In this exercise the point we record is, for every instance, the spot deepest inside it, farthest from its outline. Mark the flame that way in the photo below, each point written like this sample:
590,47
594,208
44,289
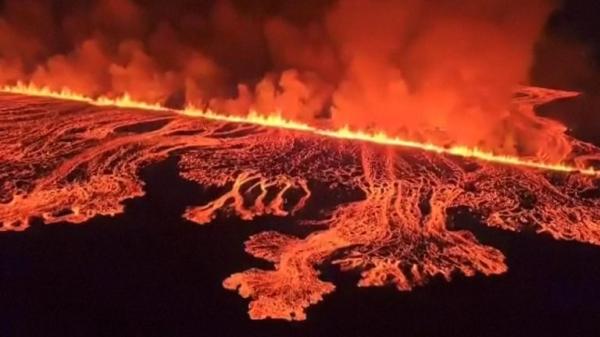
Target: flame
275,120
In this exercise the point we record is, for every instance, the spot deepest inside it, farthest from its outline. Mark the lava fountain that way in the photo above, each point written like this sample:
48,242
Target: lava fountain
68,157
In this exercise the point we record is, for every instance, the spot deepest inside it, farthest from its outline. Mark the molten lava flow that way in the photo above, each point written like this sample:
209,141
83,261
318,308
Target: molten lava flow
386,211
276,121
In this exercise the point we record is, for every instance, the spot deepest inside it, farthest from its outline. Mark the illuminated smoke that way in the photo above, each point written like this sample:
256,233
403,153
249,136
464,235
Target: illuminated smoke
438,71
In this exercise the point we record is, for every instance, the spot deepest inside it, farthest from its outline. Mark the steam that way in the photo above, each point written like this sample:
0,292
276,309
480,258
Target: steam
441,71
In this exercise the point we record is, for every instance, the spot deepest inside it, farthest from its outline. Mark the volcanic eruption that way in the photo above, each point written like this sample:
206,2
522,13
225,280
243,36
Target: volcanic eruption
404,113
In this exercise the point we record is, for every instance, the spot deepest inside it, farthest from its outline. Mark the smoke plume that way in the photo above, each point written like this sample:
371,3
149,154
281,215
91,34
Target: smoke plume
441,71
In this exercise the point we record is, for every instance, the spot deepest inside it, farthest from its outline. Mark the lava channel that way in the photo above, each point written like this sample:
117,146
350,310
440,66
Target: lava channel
70,161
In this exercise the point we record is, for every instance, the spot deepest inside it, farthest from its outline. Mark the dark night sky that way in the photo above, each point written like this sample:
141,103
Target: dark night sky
571,47
578,18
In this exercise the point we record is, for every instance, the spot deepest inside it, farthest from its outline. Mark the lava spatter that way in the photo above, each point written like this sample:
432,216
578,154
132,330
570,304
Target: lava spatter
69,161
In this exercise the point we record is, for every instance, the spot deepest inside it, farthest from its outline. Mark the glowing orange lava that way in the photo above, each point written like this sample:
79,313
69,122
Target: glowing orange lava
383,211
276,121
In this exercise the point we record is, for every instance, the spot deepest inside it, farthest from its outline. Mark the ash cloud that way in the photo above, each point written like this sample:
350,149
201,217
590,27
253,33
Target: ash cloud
440,71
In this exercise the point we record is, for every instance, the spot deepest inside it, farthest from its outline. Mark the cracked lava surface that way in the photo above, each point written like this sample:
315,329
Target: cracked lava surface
70,161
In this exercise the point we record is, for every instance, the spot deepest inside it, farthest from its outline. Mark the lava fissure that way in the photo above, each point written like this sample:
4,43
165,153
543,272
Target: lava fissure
67,161
532,97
